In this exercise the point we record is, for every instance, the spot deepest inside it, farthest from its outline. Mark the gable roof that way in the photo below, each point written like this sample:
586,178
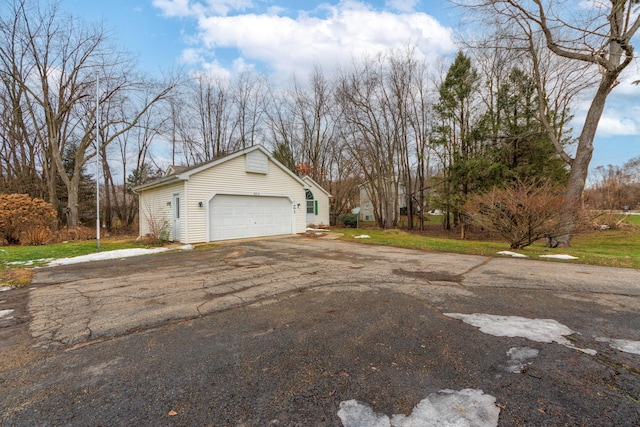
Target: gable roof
174,169
315,184
181,174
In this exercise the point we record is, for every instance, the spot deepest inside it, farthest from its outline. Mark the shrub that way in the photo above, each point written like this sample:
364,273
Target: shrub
158,226
609,220
36,236
348,220
22,217
521,213
76,233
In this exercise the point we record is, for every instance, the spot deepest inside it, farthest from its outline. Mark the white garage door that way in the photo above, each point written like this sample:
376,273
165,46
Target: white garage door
235,217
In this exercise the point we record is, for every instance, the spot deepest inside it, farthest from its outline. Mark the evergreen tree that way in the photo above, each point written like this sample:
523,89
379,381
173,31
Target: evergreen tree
523,150
462,150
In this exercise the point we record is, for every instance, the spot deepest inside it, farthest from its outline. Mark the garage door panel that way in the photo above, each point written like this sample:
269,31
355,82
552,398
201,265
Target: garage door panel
233,217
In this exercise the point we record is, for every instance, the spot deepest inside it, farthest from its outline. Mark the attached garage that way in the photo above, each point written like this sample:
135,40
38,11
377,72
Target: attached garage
245,194
238,216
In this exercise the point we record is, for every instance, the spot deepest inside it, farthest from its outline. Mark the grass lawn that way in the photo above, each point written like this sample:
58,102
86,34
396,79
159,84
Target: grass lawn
633,219
613,248
63,250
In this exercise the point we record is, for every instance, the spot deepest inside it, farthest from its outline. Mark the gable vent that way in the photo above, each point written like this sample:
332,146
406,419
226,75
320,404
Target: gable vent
257,162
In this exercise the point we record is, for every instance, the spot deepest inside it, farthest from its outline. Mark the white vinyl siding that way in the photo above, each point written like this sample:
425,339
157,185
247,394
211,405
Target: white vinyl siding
156,210
231,177
322,200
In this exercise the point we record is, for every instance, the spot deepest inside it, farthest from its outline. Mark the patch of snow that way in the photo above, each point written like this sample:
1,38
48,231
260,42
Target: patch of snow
121,253
355,414
540,330
519,358
466,407
30,262
559,256
512,254
5,288
362,236
317,229
5,313
627,346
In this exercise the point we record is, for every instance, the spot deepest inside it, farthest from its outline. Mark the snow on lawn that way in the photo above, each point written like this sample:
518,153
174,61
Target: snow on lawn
559,256
512,254
117,254
540,330
362,236
5,313
466,407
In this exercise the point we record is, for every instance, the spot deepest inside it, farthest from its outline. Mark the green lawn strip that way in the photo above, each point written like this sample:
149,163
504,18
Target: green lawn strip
614,248
22,254
633,219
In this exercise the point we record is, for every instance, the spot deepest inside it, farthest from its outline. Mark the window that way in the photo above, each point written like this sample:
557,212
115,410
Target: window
310,203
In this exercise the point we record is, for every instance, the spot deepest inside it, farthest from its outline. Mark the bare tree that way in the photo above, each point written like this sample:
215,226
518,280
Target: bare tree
597,34
250,95
614,187
370,126
61,57
315,117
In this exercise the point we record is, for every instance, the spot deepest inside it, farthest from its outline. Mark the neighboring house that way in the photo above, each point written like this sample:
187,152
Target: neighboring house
245,194
367,205
317,205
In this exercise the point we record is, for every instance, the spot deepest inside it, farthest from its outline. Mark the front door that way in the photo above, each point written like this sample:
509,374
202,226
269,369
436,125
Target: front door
176,217
311,211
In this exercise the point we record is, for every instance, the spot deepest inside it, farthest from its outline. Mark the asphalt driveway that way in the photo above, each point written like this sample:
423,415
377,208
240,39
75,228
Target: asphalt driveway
300,331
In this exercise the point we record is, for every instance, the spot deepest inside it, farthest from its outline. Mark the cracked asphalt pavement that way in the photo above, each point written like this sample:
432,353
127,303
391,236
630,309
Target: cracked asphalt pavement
280,331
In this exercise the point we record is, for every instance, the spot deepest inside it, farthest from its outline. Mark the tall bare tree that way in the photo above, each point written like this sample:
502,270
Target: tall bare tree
598,34
315,117
371,120
60,57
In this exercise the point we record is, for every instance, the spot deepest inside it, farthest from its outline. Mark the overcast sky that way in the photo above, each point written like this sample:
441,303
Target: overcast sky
282,37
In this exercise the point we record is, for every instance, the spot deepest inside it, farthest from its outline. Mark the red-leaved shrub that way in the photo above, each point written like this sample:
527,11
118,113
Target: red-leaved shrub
521,213
22,217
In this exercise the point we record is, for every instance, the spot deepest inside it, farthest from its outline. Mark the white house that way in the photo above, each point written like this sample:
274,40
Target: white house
317,203
367,204
245,194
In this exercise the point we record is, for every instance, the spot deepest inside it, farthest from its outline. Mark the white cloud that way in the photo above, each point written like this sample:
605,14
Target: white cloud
612,124
173,8
185,8
402,5
191,56
626,86
348,30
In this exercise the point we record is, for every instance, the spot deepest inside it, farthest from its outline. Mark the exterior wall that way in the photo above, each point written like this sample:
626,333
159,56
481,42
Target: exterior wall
156,207
231,177
321,197
366,205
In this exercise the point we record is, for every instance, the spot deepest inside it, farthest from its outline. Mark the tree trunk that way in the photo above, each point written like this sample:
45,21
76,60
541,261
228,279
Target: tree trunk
72,206
580,166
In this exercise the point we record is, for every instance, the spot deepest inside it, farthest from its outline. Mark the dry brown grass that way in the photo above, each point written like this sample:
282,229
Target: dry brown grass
17,277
